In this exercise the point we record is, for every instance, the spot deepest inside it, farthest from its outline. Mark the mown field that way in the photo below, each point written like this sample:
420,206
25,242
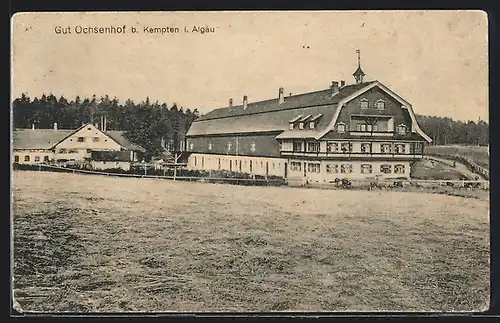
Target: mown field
478,154
99,244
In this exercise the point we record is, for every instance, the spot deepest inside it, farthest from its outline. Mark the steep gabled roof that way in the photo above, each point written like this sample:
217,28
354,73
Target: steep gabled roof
48,138
38,138
270,115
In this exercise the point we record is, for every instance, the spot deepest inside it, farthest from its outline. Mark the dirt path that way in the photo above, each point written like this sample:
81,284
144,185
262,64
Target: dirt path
459,167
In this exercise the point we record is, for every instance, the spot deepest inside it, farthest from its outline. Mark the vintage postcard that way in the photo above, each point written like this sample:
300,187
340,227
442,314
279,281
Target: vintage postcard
284,161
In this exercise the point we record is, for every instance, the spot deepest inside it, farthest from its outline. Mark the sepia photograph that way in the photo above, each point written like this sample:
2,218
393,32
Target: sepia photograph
250,161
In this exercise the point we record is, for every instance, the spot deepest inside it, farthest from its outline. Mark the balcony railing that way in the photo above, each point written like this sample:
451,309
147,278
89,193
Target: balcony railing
324,154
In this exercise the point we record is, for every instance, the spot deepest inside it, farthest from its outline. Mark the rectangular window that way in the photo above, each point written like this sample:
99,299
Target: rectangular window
195,161
400,148
296,166
399,169
366,168
311,125
16,159
37,158
27,158
358,126
364,104
341,128
380,105
301,125
363,127
369,127
81,139
332,168
386,169
332,147
346,168
366,148
385,148
202,161
297,146
290,126
313,167
346,147
96,139
313,146
375,127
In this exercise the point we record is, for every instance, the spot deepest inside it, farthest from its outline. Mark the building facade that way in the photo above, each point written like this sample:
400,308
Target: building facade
33,146
354,131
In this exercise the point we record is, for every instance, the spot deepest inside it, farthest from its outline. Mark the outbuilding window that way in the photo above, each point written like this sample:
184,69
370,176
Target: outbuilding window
366,168
332,168
27,158
37,158
16,159
346,168
399,169
385,168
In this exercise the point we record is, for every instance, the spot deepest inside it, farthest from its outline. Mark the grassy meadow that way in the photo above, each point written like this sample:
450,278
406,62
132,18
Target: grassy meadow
478,154
102,244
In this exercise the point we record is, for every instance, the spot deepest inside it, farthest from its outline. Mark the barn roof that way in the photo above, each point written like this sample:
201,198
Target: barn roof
270,115
48,138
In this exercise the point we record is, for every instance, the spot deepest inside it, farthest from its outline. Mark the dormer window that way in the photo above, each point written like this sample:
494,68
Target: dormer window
341,127
301,125
402,129
314,120
380,105
292,122
363,104
311,125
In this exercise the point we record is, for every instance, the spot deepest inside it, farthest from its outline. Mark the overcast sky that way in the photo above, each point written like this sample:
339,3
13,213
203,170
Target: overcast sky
436,60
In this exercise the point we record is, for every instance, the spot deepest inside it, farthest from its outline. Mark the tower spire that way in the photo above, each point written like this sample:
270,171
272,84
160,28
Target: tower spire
358,74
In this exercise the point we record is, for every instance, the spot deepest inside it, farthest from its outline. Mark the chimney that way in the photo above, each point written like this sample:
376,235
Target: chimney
281,95
230,103
335,87
245,102
342,83
55,125
32,126
105,121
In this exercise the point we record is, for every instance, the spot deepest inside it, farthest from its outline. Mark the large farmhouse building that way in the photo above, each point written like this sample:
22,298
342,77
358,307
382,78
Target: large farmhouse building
351,131
33,146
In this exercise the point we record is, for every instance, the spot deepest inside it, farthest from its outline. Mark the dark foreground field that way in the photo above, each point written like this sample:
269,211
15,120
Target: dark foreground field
95,243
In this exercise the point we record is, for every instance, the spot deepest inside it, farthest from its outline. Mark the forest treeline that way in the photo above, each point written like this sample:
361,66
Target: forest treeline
150,124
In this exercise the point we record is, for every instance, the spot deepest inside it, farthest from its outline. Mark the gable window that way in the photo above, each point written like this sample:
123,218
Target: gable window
400,148
290,126
346,168
385,168
346,147
297,146
363,104
313,146
301,125
366,148
27,158
81,139
209,146
191,146
341,127
96,139
332,147
311,125
366,168
380,105
313,167
252,146
385,148
402,129
399,169
332,168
